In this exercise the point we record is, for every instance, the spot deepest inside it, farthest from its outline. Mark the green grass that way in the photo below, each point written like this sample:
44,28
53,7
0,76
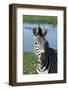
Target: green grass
29,63
40,19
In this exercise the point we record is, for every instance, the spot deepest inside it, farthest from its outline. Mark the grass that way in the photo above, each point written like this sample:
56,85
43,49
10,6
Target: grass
40,19
29,63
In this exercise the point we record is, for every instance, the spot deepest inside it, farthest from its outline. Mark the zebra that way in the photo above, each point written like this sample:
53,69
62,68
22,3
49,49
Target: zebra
46,56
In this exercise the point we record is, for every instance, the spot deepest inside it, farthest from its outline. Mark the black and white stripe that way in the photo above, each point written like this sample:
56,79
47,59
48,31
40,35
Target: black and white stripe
38,52
46,56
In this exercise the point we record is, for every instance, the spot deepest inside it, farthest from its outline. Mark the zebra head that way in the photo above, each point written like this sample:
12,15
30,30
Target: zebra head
40,39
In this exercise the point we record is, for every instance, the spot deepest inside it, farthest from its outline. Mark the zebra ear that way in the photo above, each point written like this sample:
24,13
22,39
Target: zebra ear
35,31
45,32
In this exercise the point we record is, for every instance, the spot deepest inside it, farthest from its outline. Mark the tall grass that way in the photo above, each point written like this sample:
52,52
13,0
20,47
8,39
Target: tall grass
29,63
40,19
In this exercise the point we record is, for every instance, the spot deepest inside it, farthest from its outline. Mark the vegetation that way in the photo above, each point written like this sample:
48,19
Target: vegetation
40,19
29,63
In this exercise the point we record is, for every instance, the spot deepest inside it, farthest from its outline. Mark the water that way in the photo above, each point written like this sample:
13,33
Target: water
28,36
